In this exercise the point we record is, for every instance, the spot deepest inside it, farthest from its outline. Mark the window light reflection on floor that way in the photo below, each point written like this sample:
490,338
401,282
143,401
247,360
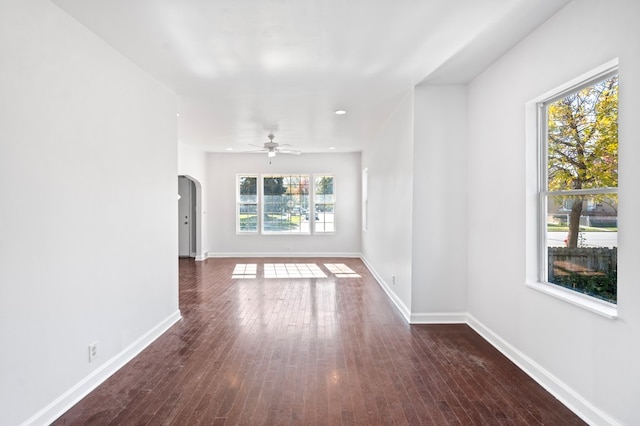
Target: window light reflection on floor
293,270
341,270
245,270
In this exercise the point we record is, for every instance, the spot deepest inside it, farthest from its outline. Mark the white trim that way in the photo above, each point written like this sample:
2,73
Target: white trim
280,254
81,389
587,77
439,318
312,204
536,193
262,201
306,234
600,307
406,312
238,203
556,387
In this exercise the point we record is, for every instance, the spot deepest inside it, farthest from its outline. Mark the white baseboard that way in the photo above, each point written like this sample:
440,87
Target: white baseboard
281,254
406,312
570,398
71,397
439,318
556,387
202,257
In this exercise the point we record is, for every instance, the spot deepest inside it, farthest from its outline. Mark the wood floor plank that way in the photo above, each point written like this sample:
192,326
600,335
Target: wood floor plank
311,351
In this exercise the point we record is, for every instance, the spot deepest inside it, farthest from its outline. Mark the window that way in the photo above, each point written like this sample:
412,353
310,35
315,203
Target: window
286,202
324,204
578,187
247,204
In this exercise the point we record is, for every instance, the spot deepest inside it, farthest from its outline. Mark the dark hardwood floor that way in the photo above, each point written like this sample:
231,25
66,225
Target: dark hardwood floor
305,351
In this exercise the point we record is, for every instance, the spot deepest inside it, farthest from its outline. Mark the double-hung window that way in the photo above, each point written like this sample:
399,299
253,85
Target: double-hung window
285,202
247,204
578,187
324,204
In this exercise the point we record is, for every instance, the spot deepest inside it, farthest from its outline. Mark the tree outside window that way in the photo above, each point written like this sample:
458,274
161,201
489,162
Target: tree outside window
580,189
285,198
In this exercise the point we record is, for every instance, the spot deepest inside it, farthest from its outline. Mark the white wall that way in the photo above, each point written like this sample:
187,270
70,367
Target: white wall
439,251
223,240
386,245
88,245
192,163
588,360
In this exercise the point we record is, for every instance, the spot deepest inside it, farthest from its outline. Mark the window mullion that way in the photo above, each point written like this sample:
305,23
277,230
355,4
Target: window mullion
587,191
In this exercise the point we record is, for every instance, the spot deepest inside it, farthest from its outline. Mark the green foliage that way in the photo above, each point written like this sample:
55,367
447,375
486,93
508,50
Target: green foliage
280,223
583,138
603,287
248,222
248,186
274,186
324,185
582,144
589,270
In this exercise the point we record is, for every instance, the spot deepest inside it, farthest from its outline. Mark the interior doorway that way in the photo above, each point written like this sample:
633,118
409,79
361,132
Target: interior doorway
187,218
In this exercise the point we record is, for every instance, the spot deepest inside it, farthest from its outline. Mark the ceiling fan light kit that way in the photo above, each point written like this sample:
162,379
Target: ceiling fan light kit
272,148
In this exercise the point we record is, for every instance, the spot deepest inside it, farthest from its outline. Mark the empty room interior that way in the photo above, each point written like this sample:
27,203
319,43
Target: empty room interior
319,212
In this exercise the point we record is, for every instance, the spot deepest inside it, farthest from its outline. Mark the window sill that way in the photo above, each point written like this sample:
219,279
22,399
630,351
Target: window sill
600,307
285,233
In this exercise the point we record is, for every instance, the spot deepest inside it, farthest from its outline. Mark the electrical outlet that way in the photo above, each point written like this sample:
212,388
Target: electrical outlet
93,351
393,279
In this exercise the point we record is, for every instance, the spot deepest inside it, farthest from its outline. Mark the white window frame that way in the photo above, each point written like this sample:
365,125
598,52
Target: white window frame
240,203
537,194
312,218
263,210
260,200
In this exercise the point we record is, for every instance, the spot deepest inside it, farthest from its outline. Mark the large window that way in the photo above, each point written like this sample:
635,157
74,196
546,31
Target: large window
578,187
285,204
324,204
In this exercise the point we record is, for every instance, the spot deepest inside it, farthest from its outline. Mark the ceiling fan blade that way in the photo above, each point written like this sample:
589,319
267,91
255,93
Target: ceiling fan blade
272,148
289,151
254,151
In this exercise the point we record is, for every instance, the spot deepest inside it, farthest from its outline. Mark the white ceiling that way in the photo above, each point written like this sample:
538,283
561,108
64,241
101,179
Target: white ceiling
244,68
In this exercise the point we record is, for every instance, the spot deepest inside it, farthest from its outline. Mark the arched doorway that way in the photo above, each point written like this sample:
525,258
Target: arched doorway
189,218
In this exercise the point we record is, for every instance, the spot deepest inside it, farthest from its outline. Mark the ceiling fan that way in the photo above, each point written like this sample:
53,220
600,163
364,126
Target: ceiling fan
272,148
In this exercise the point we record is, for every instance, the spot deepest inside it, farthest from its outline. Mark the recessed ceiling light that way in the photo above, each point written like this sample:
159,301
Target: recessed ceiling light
332,147
177,114
229,149
341,112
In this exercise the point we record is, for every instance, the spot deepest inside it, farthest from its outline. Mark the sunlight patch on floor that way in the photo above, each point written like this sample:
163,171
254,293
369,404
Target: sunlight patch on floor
245,270
341,270
293,270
